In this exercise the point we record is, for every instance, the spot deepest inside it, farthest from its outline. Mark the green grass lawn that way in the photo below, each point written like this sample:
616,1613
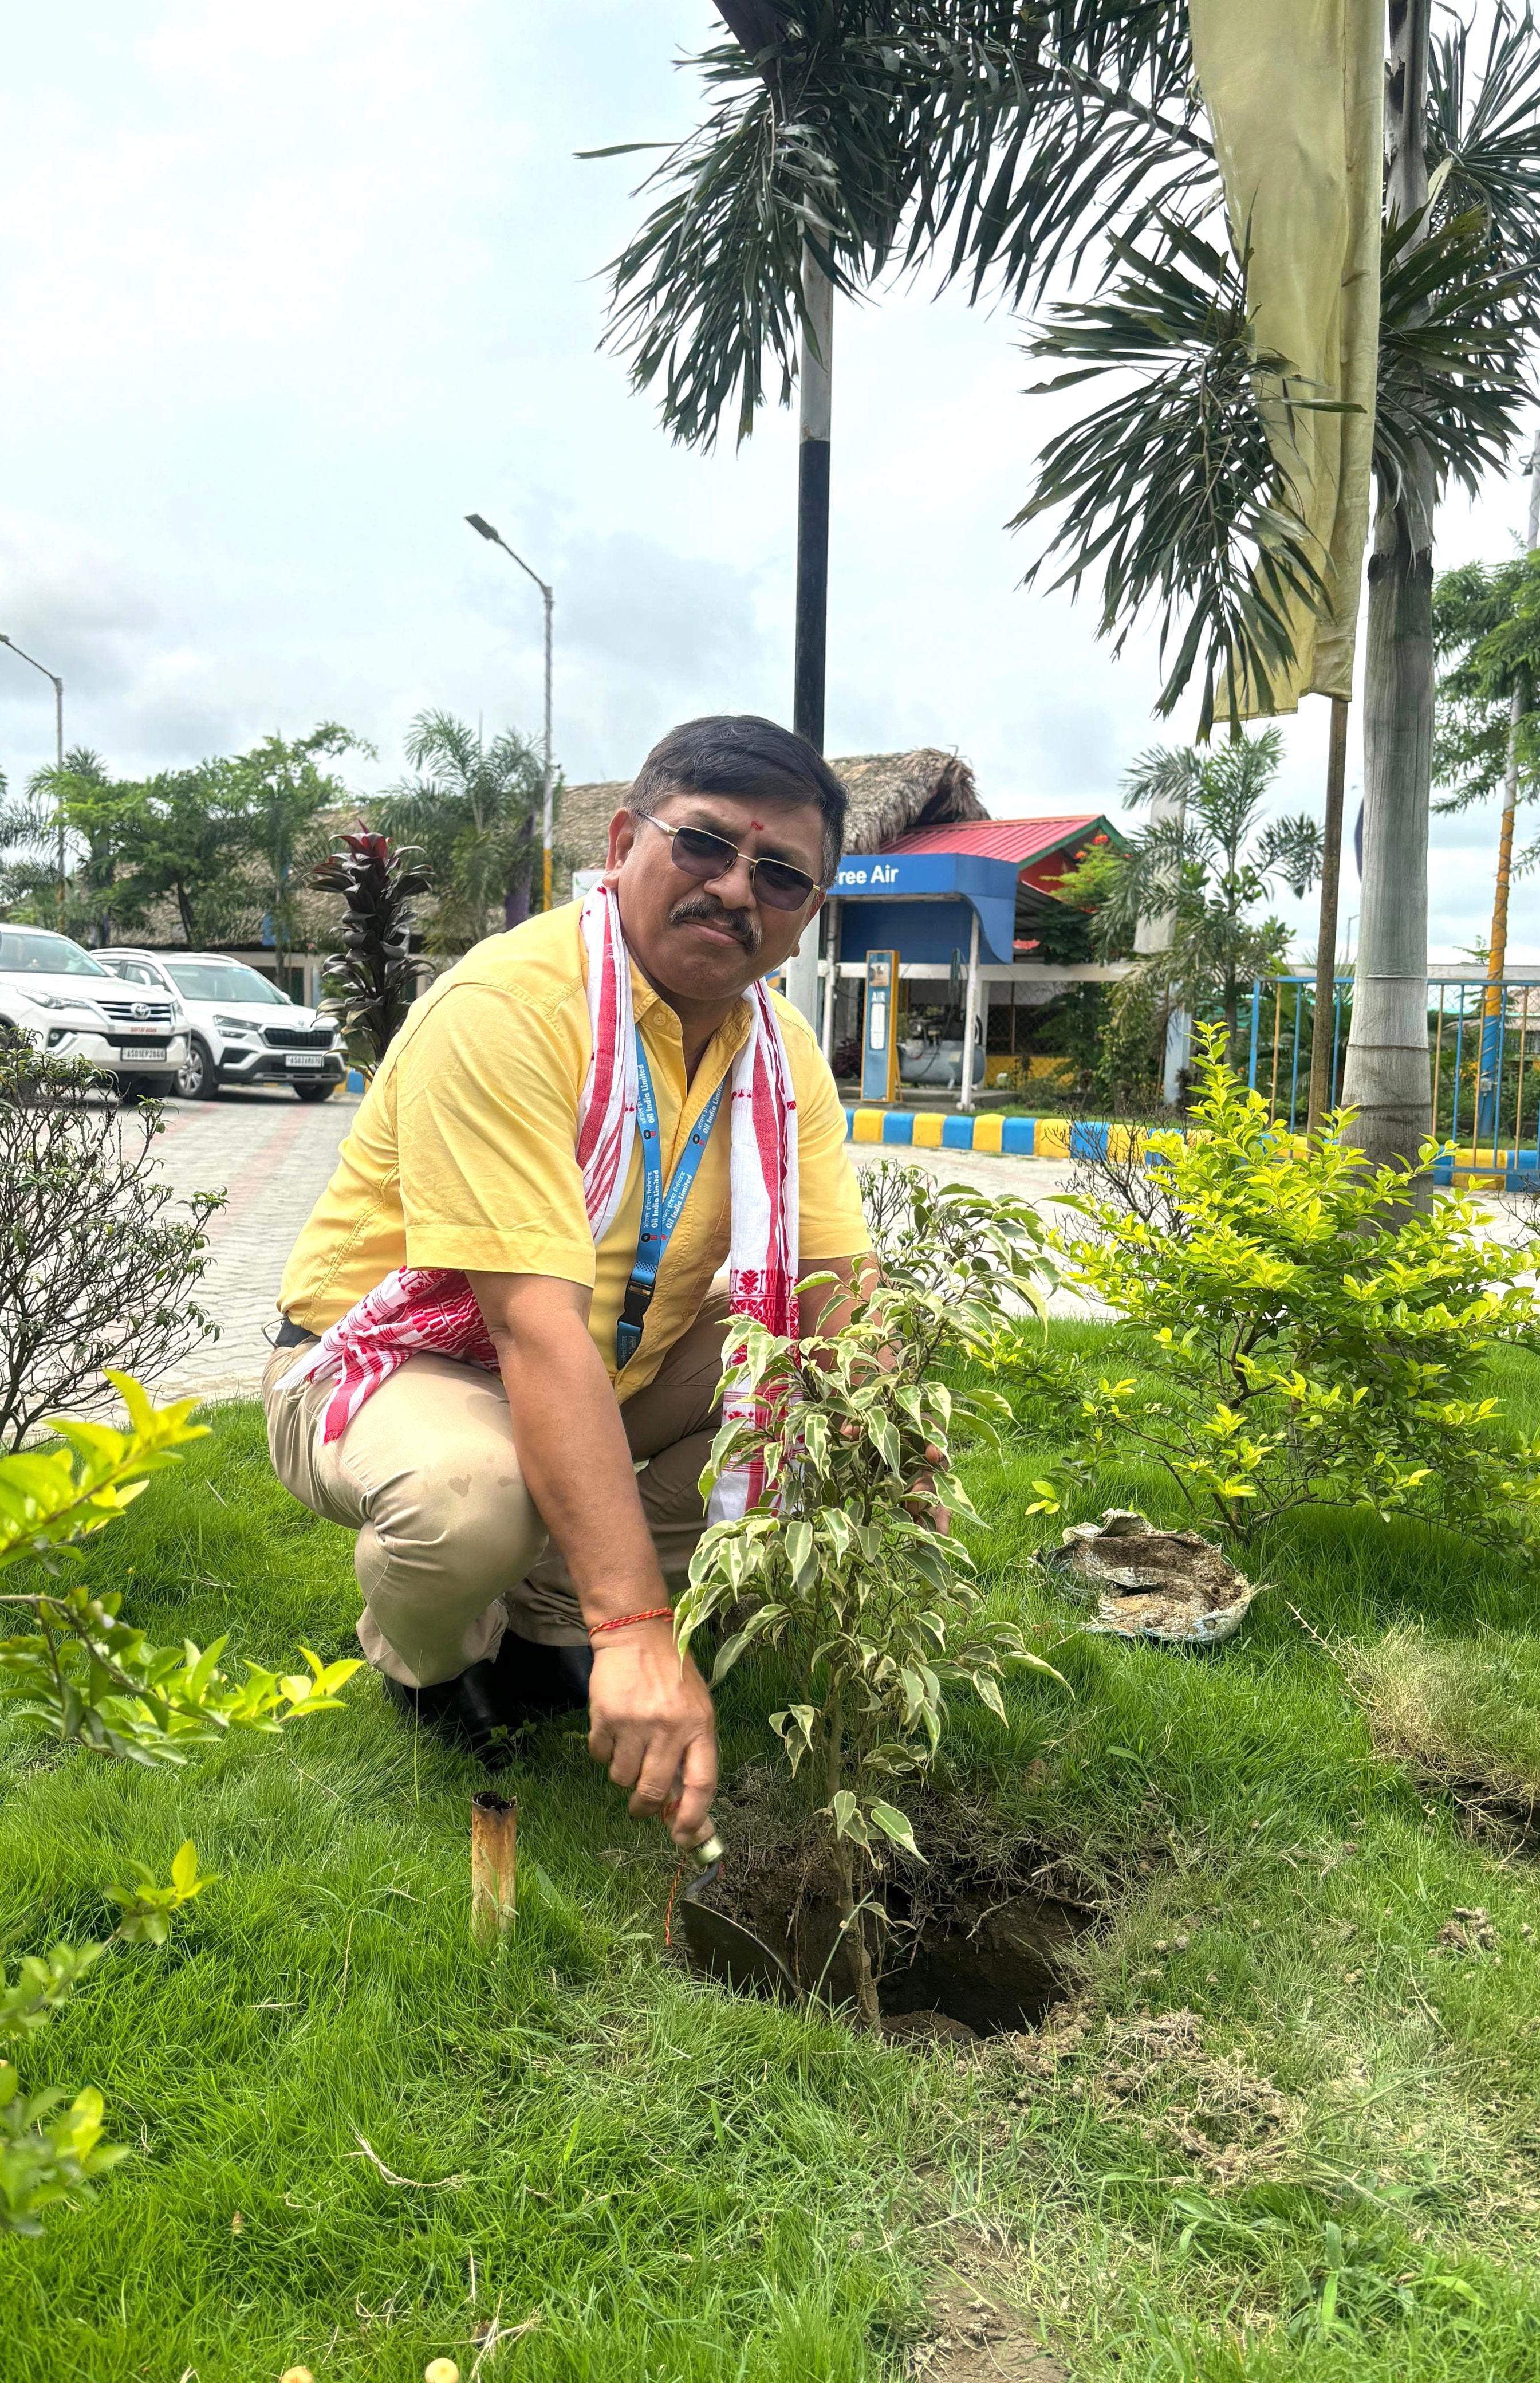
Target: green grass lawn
1288,2127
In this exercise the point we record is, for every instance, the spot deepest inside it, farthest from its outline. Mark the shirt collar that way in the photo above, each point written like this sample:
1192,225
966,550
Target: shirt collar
663,1025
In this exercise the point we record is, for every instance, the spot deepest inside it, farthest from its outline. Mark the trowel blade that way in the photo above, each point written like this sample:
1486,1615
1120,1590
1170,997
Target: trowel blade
727,1951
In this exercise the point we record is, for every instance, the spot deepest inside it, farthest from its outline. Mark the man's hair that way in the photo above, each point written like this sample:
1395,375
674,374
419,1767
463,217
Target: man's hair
736,753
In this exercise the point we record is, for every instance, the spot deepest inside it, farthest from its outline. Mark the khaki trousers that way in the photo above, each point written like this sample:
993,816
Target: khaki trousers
451,1550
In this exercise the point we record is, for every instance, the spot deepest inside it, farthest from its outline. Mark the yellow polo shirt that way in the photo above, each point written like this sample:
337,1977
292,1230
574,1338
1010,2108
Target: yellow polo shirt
462,1153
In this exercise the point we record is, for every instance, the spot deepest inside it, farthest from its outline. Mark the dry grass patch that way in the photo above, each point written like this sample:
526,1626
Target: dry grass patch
1463,1716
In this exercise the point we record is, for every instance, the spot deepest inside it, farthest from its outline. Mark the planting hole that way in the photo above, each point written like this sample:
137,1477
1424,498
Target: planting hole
956,1955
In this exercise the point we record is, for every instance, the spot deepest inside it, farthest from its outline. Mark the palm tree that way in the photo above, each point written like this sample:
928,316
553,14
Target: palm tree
474,810
1171,494
993,141
1202,867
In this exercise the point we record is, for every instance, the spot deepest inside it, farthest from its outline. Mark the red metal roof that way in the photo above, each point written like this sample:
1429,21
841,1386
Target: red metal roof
1019,840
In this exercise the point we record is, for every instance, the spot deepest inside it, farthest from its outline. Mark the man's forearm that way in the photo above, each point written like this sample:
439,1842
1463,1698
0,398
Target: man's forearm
649,1712
574,1457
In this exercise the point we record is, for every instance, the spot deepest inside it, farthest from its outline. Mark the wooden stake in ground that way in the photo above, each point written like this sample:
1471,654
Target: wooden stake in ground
494,1865
1322,1089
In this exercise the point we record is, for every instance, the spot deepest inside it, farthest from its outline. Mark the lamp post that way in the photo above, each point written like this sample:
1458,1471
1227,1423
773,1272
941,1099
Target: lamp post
485,529
58,744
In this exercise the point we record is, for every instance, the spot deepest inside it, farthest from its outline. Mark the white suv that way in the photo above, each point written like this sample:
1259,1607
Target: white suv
242,1030
61,998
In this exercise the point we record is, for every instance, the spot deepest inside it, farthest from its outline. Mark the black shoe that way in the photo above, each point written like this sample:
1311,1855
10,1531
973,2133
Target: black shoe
533,1680
469,1712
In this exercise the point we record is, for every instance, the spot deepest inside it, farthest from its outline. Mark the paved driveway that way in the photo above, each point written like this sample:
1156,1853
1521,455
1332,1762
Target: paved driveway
273,1155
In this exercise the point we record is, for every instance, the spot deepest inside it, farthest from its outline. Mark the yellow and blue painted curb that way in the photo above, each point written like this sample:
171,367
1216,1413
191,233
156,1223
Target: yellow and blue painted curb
1069,1138
1009,1137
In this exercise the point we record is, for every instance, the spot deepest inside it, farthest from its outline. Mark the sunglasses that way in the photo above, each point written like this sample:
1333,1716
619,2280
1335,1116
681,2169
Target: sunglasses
699,854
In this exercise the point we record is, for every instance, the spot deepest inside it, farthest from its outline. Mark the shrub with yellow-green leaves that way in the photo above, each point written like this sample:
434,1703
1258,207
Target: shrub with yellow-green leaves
92,1681
1314,1335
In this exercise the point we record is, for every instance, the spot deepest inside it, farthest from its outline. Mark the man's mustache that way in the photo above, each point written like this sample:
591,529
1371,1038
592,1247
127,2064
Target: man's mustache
741,923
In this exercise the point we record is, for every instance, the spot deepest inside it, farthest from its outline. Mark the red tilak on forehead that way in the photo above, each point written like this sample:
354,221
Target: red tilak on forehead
758,823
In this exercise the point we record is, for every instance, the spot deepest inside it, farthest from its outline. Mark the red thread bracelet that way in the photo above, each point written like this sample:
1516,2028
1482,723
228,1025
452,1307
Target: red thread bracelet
653,1613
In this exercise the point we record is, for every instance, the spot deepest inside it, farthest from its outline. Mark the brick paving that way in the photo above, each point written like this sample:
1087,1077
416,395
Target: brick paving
273,1155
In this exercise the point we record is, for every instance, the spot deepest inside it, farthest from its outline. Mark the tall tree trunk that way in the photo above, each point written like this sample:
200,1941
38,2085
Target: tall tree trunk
1386,1079
1488,1121
1232,1021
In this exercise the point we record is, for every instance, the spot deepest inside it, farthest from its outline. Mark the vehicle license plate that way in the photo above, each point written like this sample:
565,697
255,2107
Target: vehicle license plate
306,1059
146,1051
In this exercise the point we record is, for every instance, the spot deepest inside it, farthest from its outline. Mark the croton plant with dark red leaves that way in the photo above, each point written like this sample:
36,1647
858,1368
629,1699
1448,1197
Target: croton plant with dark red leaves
370,982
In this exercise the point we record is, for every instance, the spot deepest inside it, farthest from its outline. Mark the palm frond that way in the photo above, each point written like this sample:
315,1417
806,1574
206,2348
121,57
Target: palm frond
1166,773
1454,371
996,138
1170,490
1102,139
1484,131
1291,849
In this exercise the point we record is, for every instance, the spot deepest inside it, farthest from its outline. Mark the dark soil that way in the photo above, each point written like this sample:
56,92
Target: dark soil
973,2339
957,1953
1501,1815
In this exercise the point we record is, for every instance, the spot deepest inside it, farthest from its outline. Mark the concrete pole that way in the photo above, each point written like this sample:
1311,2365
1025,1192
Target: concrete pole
1155,935
971,1015
802,973
832,982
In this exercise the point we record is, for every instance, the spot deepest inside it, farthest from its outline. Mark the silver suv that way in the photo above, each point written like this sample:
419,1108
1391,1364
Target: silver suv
59,996
242,1029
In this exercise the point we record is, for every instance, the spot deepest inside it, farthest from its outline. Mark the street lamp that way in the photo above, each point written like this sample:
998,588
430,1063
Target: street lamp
59,738
485,530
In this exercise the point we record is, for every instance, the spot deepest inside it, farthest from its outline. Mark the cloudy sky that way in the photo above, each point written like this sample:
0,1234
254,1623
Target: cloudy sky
289,291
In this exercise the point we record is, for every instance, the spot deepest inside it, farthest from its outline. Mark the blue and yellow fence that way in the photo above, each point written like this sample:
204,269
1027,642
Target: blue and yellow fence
1485,1071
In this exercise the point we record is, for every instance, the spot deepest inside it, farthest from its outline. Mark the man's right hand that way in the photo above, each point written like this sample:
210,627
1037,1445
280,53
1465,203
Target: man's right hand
651,1719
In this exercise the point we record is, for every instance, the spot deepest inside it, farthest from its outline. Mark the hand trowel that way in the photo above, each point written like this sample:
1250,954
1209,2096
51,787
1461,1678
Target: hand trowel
724,1948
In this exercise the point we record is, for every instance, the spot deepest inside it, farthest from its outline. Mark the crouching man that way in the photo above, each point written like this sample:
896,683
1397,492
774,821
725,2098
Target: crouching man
499,1352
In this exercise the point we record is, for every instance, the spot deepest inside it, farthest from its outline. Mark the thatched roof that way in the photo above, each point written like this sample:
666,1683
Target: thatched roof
890,794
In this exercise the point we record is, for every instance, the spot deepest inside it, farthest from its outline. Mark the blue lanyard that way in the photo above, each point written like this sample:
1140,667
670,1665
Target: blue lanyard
660,1210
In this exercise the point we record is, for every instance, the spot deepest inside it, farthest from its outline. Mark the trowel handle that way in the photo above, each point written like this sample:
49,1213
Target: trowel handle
710,1848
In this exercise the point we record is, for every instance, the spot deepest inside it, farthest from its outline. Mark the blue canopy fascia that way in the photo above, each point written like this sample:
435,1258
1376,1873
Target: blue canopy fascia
955,879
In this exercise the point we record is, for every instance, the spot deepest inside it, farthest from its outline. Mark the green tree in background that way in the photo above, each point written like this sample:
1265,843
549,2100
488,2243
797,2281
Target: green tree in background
991,143
100,815
276,795
1487,632
226,843
189,845
1205,862
474,812
1021,150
